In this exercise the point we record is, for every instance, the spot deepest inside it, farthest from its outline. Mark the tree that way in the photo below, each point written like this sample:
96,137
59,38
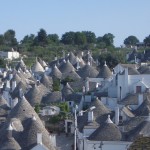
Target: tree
53,38
108,39
42,38
68,38
147,41
131,41
9,38
80,38
90,36
112,59
28,39
1,39
100,42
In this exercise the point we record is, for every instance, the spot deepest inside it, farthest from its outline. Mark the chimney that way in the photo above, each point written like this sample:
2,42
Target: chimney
140,99
90,116
4,74
10,76
8,85
20,93
39,138
87,85
83,89
55,58
13,85
117,115
78,65
135,60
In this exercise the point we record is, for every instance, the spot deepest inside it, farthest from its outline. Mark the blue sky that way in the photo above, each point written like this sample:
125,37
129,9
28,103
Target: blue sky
119,17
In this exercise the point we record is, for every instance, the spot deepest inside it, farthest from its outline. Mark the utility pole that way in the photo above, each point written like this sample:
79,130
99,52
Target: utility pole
75,127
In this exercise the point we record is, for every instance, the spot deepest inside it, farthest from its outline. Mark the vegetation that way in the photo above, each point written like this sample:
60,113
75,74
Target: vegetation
131,41
47,46
64,111
56,85
37,108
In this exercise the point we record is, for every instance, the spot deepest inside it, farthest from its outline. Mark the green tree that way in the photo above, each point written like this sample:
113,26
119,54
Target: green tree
100,42
68,38
1,39
108,39
53,38
147,41
90,36
112,59
131,41
80,38
28,39
9,38
42,38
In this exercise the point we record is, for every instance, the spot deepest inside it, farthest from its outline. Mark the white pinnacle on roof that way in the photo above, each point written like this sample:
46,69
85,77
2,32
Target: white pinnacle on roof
10,128
105,64
33,118
109,120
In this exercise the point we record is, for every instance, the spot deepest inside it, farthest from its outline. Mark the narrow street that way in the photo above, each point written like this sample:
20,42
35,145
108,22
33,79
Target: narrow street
64,142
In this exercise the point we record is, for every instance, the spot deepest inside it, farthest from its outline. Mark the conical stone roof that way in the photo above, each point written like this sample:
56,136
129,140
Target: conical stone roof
88,71
20,86
29,136
22,110
34,96
72,58
3,102
106,132
47,81
66,67
56,73
55,96
37,68
141,130
9,144
144,108
16,78
67,90
104,72
72,75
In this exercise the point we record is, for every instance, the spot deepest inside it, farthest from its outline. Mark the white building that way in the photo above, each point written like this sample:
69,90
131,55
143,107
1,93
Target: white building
10,55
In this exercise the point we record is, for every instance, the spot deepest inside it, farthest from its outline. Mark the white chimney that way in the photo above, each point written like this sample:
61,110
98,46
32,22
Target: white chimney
55,58
53,139
83,89
135,60
20,93
87,85
117,115
78,65
4,74
10,76
90,116
140,99
39,138
7,85
13,85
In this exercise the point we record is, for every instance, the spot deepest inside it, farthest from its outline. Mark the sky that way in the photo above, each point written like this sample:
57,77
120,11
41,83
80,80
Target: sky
122,18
